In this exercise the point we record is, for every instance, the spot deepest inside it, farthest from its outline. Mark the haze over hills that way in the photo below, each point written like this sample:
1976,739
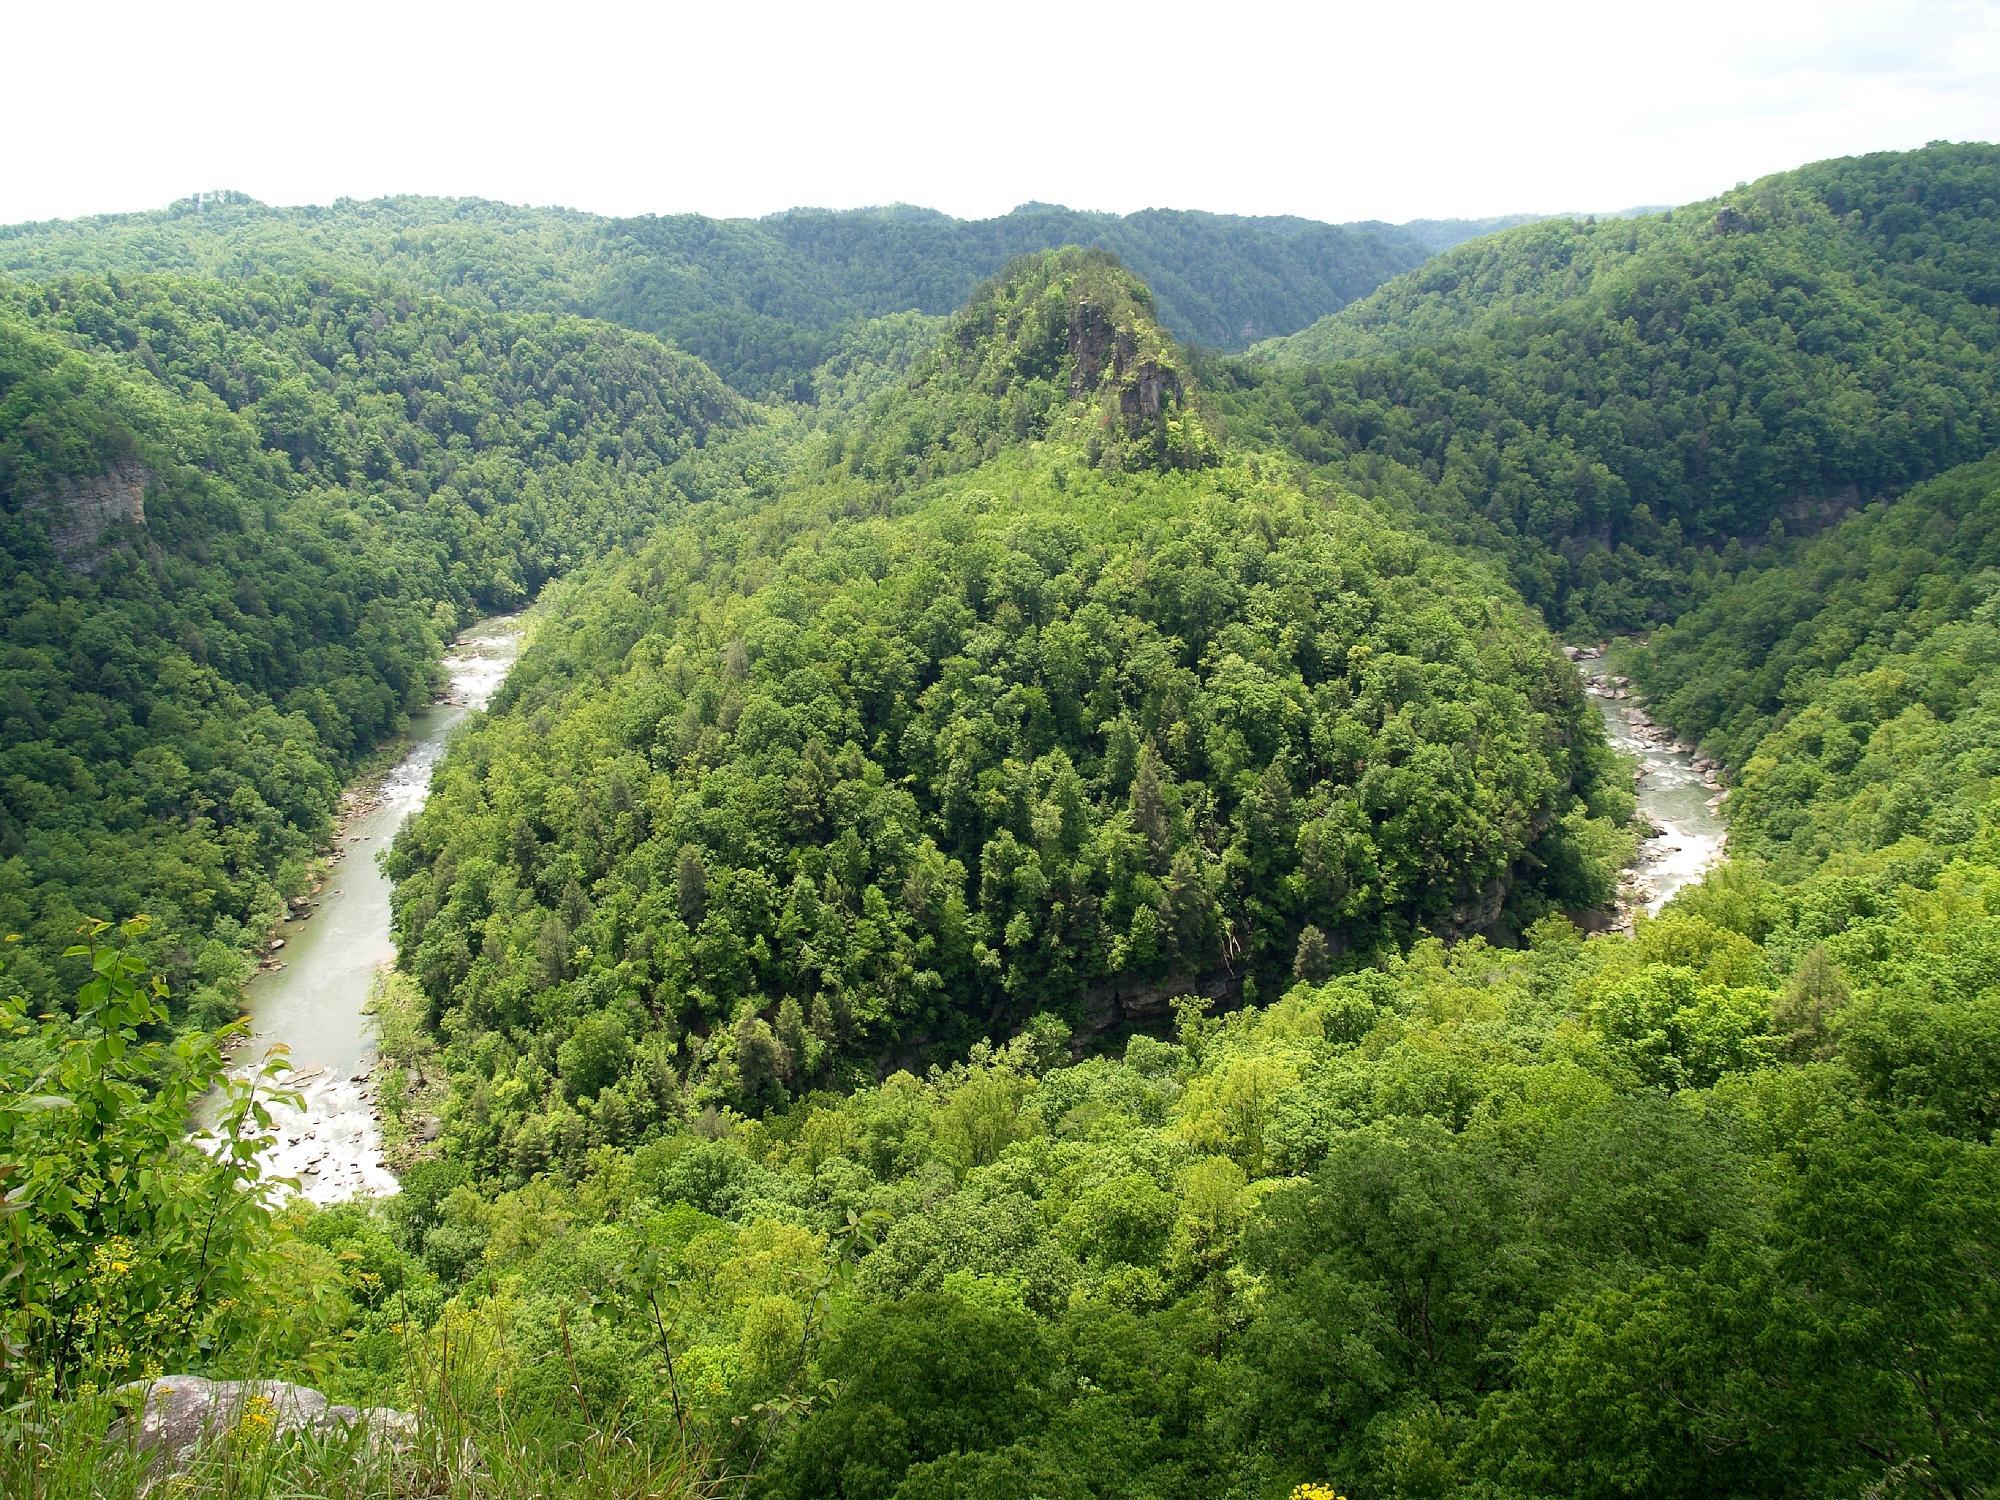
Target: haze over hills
1045,912
1437,235
764,300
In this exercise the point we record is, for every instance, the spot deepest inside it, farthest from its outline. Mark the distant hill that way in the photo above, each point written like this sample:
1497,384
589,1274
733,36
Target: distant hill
1842,216
763,301
1441,234
1438,235
1603,399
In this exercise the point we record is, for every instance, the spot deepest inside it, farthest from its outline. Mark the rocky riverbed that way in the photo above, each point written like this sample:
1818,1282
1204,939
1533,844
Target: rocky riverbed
1681,792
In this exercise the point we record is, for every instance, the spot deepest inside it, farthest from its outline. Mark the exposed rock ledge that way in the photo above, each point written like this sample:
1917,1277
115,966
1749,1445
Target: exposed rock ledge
77,511
180,1412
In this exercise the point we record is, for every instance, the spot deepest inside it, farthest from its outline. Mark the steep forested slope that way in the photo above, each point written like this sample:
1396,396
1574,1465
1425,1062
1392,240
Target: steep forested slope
1603,401
874,776
514,445
237,520
763,301
1709,1210
1912,219
1030,704
1854,683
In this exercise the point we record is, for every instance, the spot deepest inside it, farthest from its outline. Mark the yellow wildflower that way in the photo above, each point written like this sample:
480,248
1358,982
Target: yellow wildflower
256,1415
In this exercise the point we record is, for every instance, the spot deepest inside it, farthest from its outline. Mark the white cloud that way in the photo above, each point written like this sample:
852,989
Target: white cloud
1337,111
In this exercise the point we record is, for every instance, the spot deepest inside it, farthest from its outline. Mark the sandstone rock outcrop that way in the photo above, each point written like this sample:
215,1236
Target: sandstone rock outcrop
77,511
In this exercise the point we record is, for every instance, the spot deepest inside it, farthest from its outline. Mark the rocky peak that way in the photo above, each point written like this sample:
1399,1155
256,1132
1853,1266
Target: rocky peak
1078,321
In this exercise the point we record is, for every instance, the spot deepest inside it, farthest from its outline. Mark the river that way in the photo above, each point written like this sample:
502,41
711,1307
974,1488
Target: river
315,1001
1678,790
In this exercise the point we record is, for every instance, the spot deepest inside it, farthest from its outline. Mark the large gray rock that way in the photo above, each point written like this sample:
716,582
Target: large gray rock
175,1414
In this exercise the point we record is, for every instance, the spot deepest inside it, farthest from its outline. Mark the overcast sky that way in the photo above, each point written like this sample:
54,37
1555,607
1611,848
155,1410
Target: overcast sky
1335,111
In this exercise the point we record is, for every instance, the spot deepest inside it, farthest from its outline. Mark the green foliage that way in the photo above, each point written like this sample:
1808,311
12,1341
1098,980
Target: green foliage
1450,1222
463,1447
1610,404
330,475
1853,681
768,803
920,1379
869,359
778,933
1058,342
762,301
126,1242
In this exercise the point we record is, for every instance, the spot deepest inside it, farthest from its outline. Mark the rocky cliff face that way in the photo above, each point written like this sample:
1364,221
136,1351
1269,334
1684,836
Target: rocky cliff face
1121,1004
1070,338
77,512
1105,353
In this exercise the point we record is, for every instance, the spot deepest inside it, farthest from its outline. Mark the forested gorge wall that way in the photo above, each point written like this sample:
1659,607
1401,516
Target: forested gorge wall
238,520
764,952
1620,405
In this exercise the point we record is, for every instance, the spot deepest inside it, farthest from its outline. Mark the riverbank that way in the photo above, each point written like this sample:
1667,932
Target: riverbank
331,952
1681,793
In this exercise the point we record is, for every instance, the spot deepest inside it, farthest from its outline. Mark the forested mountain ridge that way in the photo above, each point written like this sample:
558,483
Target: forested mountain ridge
954,967
1103,715
762,301
508,432
1921,215
1612,404
237,519
1439,235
